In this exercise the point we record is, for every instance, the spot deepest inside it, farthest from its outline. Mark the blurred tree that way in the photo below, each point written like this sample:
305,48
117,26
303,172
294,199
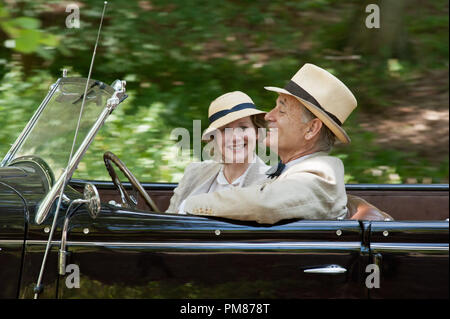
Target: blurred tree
177,56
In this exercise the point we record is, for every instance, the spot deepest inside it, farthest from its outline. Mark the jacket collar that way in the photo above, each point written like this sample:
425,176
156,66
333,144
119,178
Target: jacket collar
301,159
253,174
255,171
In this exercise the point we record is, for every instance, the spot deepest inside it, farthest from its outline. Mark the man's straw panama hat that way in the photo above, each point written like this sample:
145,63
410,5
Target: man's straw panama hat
324,95
227,108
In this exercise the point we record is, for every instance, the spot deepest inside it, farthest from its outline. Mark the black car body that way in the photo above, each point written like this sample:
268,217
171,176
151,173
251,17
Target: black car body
137,253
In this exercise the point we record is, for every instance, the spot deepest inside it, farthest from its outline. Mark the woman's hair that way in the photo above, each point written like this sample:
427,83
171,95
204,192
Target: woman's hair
259,121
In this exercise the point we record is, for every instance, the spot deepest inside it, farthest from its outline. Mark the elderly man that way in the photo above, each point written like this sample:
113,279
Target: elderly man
307,183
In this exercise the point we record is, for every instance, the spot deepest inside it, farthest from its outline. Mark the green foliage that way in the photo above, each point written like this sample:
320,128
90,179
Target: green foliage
177,56
15,112
367,162
25,34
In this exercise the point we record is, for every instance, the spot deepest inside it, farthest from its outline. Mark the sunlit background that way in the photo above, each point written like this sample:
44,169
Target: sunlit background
177,56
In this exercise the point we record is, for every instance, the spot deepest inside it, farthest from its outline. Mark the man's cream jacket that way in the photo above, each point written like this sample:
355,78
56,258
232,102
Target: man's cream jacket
311,189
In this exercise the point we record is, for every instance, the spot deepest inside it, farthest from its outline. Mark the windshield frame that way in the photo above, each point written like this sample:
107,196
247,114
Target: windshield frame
47,135
115,95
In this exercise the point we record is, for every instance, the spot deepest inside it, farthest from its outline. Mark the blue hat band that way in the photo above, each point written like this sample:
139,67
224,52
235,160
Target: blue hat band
236,108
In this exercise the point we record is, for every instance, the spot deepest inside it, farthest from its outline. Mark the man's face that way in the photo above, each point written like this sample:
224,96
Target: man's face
287,119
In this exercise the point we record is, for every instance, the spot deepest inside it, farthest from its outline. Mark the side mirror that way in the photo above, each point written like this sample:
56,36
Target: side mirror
92,200
93,205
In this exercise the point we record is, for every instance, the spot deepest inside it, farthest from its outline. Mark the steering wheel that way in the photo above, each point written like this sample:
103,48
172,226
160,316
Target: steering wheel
128,201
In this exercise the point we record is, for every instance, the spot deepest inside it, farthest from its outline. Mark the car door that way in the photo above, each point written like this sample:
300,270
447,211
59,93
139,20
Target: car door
12,233
125,254
22,242
412,258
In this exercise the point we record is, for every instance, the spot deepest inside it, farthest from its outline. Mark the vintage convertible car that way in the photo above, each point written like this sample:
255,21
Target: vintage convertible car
100,249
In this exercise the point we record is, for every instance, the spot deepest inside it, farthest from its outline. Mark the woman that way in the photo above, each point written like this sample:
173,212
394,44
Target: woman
233,132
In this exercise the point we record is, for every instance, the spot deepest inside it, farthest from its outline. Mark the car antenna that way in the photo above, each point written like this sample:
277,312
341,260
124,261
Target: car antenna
39,286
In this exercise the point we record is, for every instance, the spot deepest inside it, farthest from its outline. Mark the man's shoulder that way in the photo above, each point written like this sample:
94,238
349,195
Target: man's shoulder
322,157
320,161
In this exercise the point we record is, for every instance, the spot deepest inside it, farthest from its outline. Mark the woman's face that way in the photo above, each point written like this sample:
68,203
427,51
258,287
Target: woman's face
237,141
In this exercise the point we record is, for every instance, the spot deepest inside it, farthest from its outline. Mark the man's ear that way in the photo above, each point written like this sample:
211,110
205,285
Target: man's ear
314,128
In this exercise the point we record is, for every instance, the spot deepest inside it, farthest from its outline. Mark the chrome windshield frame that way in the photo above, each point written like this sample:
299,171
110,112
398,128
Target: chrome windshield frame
117,91
117,97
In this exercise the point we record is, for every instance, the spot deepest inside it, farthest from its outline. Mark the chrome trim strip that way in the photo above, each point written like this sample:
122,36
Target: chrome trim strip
356,245
200,245
409,246
11,242
247,245
397,187
349,187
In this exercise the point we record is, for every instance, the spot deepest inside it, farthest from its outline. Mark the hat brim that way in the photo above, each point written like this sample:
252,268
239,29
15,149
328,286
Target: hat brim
337,130
230,117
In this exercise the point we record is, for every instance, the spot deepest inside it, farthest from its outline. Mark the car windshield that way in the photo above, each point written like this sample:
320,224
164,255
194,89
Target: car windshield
52,136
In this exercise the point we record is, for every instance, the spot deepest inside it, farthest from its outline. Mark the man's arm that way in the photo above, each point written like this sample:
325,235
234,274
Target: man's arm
301,195
194,175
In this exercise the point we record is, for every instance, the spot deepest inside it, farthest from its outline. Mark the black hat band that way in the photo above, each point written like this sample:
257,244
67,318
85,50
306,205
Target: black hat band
298,91
236,108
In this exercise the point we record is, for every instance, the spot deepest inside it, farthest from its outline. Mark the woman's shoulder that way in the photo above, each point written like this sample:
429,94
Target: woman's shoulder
202,164
260,163
195,167
256,172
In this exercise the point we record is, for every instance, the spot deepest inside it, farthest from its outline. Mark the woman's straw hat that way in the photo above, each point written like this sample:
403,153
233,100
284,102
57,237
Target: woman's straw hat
227,108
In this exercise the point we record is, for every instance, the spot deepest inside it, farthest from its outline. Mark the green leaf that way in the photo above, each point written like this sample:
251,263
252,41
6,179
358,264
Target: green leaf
49,40
28,41
3,12
10,29
26,23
